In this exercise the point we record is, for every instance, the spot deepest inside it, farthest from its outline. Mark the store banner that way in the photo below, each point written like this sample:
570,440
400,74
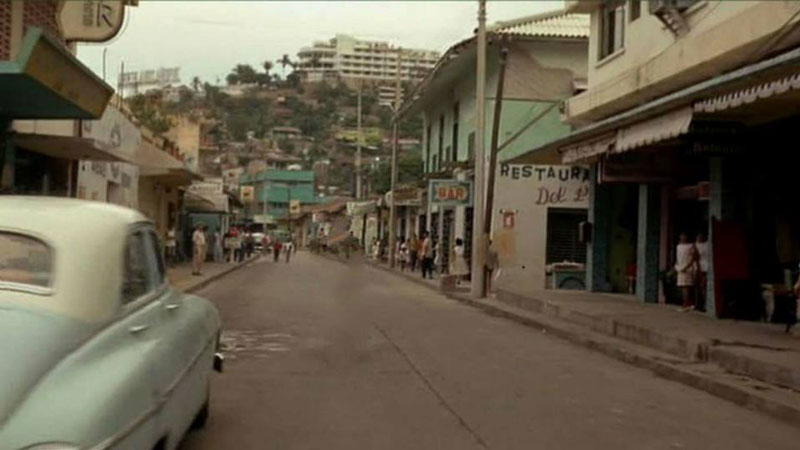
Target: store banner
450,192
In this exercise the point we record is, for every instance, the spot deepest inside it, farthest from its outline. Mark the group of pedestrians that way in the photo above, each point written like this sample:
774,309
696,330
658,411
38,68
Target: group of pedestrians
288,248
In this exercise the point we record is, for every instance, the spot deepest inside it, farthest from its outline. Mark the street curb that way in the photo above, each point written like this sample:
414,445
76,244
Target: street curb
203,283
593,340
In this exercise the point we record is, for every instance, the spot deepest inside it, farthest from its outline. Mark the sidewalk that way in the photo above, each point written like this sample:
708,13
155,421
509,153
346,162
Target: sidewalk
755,365
181,278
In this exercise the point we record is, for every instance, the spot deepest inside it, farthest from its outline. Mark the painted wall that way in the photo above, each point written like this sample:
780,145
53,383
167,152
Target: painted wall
528,191
722,35
186,134
116,183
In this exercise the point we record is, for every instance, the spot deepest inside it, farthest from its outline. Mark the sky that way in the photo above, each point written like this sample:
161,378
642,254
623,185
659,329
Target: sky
207,38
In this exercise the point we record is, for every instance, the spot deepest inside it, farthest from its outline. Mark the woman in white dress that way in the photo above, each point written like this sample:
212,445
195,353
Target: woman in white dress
686,266
458,265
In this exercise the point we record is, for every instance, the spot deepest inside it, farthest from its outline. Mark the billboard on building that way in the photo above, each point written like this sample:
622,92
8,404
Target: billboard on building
450,192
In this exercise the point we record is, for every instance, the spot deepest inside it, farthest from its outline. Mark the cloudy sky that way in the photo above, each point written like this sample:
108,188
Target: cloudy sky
207,38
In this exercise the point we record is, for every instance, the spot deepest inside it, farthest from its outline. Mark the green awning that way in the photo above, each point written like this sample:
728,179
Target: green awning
47,82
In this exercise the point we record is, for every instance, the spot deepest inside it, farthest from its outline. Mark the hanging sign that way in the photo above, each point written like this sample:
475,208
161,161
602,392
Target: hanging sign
92,20
450,192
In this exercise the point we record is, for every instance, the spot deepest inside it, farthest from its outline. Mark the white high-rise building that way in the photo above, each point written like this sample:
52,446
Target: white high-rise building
350,59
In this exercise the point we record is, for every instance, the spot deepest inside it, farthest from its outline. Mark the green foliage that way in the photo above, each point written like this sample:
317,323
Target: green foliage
245,114
147,109
242,73
409,170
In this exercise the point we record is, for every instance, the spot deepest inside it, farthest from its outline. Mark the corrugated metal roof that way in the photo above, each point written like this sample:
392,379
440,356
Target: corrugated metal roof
552,24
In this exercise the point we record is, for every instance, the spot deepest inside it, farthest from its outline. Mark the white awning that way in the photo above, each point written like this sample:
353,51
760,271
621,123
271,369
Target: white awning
747,96
661,128
587,150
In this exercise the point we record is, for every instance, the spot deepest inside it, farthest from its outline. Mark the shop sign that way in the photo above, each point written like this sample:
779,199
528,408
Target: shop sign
637,168
450,192
246,194
92,20
207,188
263,218
294,206
547,185
405,197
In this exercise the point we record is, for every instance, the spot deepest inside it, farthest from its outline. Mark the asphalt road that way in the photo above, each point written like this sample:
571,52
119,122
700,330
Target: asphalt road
322,355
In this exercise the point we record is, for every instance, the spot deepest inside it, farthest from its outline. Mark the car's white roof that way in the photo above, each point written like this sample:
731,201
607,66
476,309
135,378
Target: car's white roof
87,238
40,214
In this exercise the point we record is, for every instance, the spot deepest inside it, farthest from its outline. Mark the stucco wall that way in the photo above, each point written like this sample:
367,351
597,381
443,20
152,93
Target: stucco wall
722,35
529,191
186,134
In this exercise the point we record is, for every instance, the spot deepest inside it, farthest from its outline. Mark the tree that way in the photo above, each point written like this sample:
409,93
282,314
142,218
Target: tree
242,73
409,171
148,110
267,65
285,61
196,84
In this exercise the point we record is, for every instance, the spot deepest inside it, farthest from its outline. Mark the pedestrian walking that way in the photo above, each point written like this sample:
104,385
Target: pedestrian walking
413,252
276,250
288,250
685,265
427,256
198,250
249,244
458,262
402,256
218,256
170,245
701,278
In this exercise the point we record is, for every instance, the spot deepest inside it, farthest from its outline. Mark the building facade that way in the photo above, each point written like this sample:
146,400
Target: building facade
277,192
350,59
545,62
685,122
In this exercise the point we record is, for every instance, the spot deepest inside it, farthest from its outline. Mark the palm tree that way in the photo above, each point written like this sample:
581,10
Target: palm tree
285,61
196,84
267,66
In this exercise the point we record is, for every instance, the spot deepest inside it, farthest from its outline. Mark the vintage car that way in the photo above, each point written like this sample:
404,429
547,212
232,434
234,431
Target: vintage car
98,351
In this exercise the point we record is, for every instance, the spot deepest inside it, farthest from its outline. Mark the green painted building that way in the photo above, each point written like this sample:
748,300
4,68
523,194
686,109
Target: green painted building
275,190
545,63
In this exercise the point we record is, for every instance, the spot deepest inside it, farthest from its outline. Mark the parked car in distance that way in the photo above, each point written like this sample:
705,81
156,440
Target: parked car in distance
98,350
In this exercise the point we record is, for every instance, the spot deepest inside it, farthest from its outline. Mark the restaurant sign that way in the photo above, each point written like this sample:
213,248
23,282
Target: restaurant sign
450,192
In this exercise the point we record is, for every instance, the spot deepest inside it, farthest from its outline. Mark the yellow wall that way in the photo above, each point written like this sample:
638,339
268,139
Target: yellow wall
186,134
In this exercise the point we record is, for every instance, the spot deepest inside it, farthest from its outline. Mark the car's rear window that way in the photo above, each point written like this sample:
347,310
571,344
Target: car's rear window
25,260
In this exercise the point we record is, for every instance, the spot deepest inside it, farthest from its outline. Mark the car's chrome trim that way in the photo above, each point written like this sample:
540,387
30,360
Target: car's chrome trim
162,399
26,288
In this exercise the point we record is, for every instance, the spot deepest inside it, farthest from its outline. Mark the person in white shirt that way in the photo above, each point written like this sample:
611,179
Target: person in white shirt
288,248
686,266
199,249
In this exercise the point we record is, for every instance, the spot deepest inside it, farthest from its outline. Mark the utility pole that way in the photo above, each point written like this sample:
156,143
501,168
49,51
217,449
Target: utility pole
498,110
393,207
358,146
479,238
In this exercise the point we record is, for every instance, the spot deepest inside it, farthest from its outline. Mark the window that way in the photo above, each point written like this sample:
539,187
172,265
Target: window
636,9
136,276
441,137
562,235
25,260
471,147
158,271
612,27
428,148
454,138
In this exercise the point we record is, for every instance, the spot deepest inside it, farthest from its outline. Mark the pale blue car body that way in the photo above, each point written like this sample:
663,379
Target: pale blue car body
80,368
